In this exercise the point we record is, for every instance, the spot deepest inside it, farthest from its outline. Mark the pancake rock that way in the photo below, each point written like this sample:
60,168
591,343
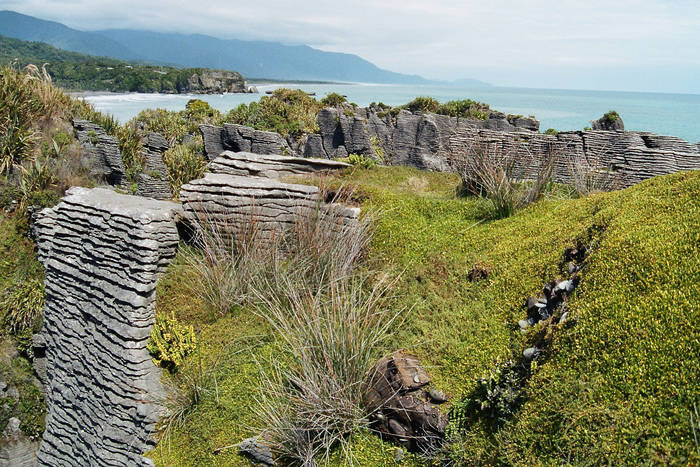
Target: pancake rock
102,252
102,154
270,165
154,182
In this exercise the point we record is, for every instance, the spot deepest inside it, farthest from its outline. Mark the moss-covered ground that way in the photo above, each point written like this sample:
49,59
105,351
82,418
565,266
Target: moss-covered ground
618,383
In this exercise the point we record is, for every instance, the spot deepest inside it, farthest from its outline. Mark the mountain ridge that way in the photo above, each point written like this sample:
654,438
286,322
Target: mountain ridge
253,59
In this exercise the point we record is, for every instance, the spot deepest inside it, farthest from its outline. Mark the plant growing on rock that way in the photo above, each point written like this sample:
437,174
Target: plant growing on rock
334,100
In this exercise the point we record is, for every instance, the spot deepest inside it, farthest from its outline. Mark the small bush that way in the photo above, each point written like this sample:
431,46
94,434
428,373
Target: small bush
551,131
333,100
611,116
465,109
287,112
184,163
422,104
22,305
170,342
360,160
333,335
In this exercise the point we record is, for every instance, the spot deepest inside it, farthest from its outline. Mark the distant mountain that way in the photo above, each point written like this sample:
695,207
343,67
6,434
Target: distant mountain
28,28
254,59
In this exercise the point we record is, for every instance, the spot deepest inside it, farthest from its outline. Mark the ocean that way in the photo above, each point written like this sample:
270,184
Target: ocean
666,114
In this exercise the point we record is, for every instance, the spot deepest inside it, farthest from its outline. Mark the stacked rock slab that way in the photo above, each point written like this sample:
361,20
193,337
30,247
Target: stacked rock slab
269,165
153,182
102,252
239,138
242,188
629,156
102,152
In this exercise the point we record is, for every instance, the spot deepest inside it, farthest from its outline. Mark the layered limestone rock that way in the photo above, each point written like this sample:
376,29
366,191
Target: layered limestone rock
102,252
429,141
629,156
101,150
153,182
239,138
235,201
269,165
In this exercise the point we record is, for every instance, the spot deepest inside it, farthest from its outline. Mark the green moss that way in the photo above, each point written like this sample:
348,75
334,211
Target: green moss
620,380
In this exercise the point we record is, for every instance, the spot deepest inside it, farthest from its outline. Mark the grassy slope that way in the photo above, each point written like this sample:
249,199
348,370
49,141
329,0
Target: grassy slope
622,376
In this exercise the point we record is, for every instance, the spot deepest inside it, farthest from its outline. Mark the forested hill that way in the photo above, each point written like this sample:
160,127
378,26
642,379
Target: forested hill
80,72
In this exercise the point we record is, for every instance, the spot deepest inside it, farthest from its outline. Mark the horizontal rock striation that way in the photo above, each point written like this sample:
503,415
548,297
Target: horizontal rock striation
239,138
629,157
154,181
236,203
269,165
102,153
430,141
102,252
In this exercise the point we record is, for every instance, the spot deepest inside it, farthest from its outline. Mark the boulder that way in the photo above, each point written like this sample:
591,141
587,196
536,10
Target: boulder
611,121
400,408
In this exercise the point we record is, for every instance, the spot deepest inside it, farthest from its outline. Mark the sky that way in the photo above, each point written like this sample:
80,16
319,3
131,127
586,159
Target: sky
635,45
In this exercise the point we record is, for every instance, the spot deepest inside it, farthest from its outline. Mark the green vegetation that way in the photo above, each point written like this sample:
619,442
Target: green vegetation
170,342
611,116
286,111
618,382
78,72
184,163
360,160
333,100
551,131
462,108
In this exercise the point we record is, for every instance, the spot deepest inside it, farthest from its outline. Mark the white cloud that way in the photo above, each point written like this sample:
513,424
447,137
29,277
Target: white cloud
496,40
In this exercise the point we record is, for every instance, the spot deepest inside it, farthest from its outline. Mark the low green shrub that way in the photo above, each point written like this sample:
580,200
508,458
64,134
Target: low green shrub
286,111
360,160
551,131
184,163
333,100
170,342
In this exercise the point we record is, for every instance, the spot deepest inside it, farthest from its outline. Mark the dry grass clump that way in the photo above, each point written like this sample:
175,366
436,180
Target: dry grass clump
332,335
588,174
511,175
330,319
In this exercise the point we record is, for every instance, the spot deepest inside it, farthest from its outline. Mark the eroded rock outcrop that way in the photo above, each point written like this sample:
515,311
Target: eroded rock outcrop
102,252
215,82
102,154
153,182
239,138
428,141
240,188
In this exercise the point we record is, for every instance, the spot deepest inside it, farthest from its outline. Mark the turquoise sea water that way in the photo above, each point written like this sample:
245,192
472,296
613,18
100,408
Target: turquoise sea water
667,114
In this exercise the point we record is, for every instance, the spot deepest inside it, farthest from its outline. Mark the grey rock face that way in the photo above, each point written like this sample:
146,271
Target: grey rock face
102,252
234,201
215,82
153,182
269,165
102,152
241,138
624,155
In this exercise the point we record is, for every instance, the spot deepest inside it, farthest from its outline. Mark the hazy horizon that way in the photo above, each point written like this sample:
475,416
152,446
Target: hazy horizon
631,45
